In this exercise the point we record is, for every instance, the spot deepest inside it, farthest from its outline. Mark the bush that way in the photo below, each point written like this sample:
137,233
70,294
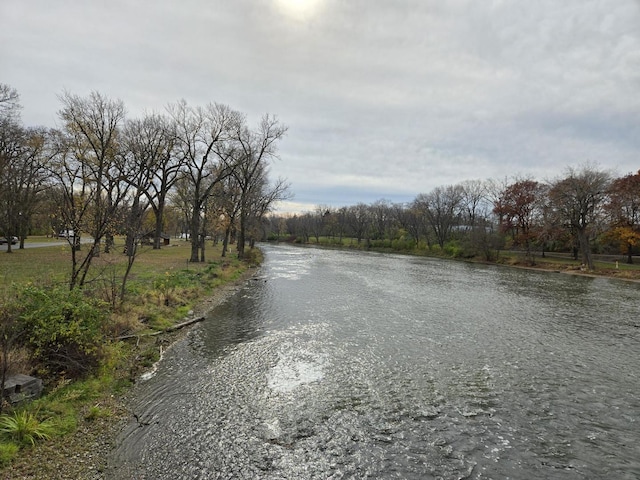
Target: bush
403,244
63,329
452,249
253,256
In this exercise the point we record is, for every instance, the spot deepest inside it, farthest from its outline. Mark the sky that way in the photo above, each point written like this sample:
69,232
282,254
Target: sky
383,99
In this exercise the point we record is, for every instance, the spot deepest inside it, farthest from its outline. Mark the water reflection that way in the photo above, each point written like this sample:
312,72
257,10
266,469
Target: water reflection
238,320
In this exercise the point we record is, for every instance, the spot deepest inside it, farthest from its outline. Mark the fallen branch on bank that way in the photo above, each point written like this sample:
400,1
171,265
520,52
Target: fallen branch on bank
172,328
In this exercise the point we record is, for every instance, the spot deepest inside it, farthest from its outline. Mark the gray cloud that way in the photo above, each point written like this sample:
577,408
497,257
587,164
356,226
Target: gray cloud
384,99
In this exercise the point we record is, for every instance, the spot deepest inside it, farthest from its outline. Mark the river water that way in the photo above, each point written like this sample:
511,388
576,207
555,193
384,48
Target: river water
336,364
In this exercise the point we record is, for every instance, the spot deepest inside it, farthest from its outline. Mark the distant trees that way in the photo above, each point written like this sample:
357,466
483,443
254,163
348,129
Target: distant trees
519,208
585,210
577,201
623,208
21,168
205,173
21,177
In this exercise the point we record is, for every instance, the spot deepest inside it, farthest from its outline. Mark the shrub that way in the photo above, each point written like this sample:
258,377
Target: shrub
403,244
63,329
253,256
452,249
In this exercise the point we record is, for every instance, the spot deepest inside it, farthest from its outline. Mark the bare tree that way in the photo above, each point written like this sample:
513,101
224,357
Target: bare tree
474,200
444,210
180,197
381,218
577,200
9,102
202,135
92,126
406,218
227,198
318,220
166,174
359,220
420,209
144,142
255,149
266,196
73,194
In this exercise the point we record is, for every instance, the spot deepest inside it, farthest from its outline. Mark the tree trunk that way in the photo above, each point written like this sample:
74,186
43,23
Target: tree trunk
585,249
109,242
158,230
240,245
225,241
195,236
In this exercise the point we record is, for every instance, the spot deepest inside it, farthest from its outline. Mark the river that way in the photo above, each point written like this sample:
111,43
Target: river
336,364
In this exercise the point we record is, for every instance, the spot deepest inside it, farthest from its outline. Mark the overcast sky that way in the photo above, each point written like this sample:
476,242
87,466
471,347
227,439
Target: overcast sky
384,99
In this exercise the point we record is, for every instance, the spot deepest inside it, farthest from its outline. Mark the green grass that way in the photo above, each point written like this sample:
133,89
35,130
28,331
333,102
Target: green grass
50,265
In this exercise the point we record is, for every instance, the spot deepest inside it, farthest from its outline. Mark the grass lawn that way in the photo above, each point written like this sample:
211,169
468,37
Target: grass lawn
52,264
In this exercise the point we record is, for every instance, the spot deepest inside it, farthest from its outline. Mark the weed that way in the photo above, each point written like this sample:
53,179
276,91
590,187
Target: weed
8,451
96,412
24,427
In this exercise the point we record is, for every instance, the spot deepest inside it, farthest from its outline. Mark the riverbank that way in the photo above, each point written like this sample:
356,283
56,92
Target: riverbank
607,266
569,268
84,453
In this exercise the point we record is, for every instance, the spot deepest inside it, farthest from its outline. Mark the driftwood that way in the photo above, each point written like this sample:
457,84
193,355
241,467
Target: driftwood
172,328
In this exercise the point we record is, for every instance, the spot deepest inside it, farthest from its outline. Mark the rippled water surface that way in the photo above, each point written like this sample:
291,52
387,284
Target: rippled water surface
334,364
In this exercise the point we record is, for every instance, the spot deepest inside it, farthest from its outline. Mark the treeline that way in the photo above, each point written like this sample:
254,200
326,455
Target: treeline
585,211
101,174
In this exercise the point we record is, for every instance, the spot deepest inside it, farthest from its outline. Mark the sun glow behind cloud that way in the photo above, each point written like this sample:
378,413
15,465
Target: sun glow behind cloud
300,10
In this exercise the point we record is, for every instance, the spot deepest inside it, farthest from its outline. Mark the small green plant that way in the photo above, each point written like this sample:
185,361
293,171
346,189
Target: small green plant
96,412
148,357
8,451
24,428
